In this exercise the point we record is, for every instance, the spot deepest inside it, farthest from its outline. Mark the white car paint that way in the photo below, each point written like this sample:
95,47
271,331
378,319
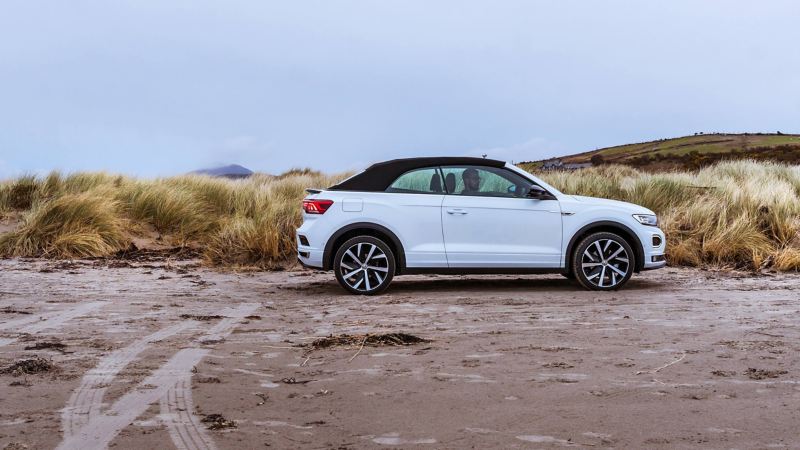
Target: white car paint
416,220
497,232
456,231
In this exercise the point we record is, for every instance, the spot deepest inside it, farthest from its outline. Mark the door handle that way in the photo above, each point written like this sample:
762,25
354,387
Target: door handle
456,211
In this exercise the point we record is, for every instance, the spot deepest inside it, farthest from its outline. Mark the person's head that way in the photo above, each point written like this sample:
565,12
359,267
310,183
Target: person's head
472,181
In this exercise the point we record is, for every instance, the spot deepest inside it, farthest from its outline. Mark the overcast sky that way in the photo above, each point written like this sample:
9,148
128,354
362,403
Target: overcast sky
164,87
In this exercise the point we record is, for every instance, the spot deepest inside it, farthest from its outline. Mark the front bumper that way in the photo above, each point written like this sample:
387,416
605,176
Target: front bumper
657,264
654,244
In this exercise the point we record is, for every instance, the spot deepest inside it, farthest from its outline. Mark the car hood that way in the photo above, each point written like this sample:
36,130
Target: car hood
624,206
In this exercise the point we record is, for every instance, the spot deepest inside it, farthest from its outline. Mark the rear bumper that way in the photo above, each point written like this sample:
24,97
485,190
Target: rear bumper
310,238
307,254
306,266
309,258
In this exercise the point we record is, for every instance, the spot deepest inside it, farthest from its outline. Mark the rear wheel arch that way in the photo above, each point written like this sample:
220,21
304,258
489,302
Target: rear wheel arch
612,227
363,229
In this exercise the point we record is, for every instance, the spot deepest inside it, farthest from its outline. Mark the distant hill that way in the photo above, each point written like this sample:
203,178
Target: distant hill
230,171
692,152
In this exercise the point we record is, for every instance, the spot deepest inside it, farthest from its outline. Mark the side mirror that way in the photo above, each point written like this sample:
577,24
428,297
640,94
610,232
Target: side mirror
537,193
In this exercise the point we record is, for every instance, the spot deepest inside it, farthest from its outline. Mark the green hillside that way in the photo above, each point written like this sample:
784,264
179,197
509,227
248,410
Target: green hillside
692,152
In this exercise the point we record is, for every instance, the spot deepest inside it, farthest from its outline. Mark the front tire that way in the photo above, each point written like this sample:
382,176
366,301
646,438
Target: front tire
603,262
364,265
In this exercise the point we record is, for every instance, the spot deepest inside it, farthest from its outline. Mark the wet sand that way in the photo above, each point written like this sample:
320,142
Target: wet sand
153,350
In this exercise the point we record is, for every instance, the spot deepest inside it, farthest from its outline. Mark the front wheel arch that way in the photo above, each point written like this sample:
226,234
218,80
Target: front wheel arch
611,227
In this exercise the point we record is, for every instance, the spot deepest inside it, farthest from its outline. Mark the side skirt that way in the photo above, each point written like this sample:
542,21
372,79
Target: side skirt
464,270
481,270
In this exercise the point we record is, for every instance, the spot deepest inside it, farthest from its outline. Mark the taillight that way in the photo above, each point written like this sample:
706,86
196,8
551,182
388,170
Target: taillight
314,206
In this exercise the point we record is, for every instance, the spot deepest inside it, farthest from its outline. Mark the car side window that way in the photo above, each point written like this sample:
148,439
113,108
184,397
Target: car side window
418,181
484,181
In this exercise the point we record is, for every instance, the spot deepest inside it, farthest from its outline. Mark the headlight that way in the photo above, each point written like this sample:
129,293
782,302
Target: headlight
646,219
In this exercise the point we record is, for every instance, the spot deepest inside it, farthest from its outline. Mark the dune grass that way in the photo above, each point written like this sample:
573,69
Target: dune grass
738,214
70,226
741,214
233,222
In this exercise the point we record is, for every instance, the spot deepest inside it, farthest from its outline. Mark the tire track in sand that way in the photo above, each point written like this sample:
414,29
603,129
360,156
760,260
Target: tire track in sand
177,407
53,320
101,429
87,400
177,411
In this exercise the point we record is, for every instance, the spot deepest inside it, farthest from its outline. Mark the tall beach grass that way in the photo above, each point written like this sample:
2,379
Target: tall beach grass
740,214
247,222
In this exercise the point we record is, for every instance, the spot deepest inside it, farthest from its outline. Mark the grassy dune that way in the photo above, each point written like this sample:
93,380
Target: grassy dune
694,152
704,143
233,222
739,214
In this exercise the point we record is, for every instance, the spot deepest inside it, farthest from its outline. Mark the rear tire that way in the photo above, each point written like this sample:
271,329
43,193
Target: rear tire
364,265
603,262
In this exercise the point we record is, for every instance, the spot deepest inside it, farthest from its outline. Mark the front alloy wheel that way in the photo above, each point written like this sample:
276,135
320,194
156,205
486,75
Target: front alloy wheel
364,265
603,261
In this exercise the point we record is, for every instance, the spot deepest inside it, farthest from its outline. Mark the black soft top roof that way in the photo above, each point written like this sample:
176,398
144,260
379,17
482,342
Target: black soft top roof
378,177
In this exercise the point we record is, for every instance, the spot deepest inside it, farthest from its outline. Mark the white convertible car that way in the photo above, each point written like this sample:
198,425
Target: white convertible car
470,215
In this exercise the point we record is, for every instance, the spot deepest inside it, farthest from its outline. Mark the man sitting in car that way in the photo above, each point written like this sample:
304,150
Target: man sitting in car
472,181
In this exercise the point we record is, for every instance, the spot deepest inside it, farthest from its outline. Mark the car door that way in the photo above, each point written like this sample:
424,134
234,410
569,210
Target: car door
488,221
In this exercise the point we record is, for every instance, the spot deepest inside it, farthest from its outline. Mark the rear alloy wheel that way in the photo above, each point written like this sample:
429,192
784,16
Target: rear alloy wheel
364,265
603,262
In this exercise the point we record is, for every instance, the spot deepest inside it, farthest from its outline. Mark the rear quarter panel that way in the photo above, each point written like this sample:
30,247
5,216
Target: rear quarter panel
414,218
